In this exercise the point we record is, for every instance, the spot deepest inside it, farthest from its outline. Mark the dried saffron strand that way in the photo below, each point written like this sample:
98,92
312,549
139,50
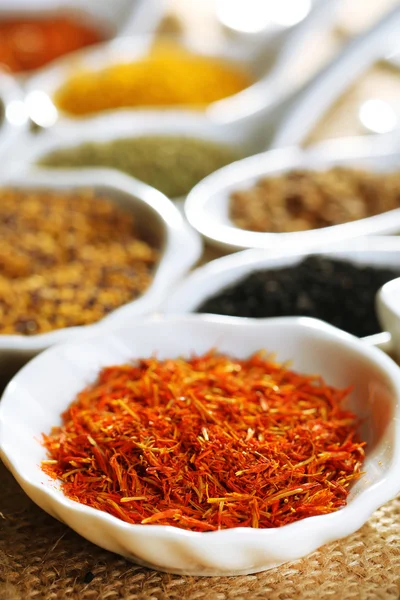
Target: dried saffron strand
207,443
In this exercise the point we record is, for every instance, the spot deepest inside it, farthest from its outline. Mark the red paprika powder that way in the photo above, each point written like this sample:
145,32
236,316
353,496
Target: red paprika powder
28,43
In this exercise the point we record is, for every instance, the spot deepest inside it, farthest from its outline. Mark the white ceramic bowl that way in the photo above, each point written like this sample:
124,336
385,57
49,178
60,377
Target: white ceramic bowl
272,83
126,49
212,278
207,205
156,217
35,398
127,124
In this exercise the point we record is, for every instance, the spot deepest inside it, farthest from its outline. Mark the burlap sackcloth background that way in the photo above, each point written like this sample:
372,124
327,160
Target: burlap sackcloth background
41,559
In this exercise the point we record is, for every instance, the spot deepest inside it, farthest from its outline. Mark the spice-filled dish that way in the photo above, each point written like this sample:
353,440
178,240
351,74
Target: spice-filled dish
329,193
337,284
173,164
67,258
140,72
207,443
187,450
299,200
169,75
169,150
80,250
230,83
329,288
34,34
30,42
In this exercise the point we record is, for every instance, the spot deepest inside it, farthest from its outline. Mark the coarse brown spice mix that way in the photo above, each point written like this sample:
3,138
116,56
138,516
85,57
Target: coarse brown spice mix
300,200
67,258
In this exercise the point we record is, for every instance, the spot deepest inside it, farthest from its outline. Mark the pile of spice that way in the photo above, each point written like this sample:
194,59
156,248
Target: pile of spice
339,292
27,44
66,259
172,164
207,443
168,76
300,200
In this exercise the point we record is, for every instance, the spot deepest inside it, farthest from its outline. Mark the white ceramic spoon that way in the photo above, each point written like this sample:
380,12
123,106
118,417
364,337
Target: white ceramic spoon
328,85
34,400
388,310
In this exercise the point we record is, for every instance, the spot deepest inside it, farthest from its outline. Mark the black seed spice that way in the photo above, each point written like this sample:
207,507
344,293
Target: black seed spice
335,291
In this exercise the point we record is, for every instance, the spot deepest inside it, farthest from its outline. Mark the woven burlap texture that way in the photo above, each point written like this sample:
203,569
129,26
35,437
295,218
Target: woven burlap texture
42,559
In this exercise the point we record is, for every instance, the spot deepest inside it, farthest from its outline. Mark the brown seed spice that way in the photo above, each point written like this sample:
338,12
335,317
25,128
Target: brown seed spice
66,259
300,200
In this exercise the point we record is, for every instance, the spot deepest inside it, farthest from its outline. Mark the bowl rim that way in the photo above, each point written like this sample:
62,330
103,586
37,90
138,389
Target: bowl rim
346,520
121,125
181,250
11,94
248,170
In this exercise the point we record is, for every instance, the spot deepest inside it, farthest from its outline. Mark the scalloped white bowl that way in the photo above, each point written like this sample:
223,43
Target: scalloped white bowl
268,57
210,279
126,49
117,125
42,390
180,247
207,205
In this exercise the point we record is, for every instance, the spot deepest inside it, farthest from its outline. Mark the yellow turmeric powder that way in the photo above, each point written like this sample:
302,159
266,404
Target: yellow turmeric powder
168,76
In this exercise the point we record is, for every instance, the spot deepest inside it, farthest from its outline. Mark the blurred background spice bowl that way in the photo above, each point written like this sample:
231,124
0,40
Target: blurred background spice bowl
334,282
226,80
388,309
63,85
136,245
169,150
29,408
293,196
34,34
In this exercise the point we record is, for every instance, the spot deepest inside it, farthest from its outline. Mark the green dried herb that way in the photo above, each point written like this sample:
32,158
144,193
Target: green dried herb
172,164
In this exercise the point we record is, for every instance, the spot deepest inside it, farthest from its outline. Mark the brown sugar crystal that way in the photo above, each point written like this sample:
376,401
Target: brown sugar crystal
66,259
